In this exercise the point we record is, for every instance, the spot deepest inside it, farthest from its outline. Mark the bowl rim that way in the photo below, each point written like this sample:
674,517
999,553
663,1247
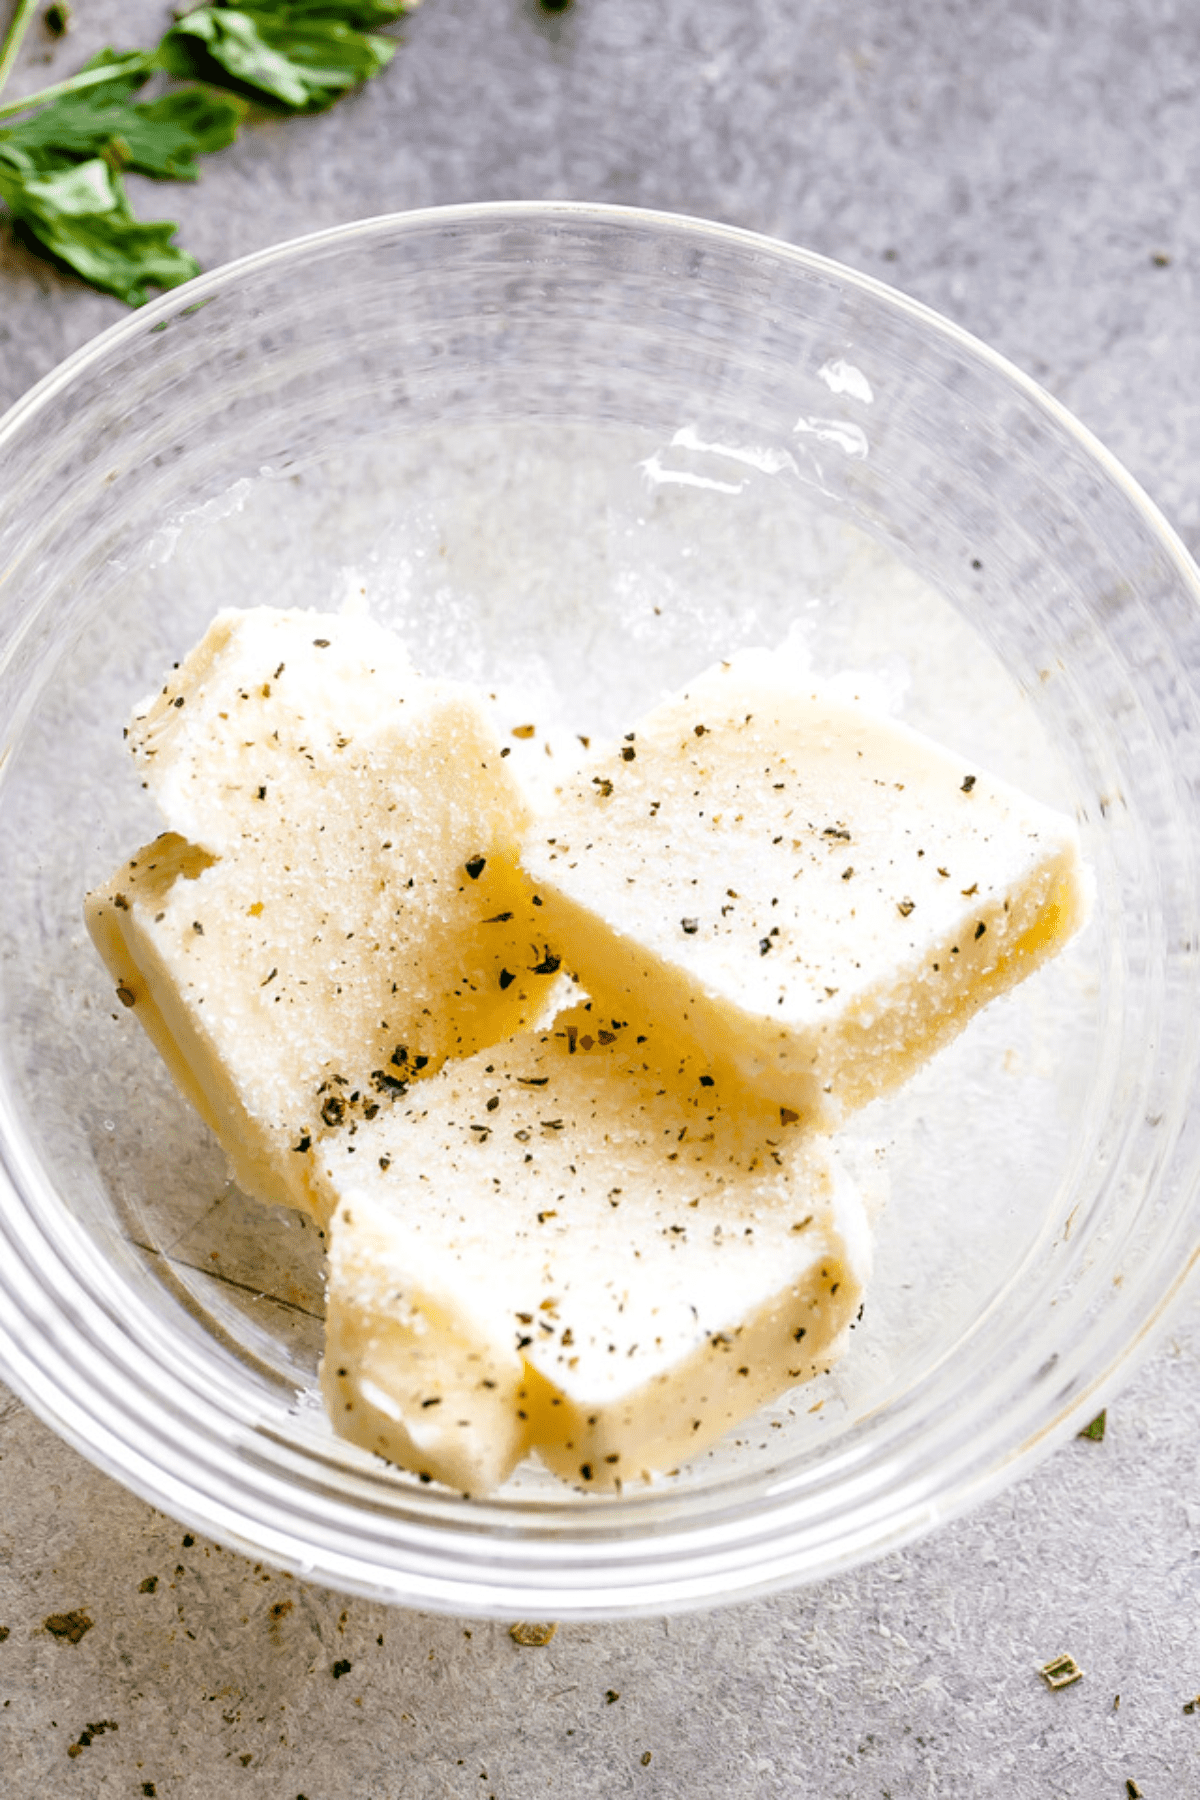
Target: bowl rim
731,1572
204,287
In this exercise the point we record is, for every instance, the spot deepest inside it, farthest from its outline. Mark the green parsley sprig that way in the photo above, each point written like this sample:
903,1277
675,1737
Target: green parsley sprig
61,164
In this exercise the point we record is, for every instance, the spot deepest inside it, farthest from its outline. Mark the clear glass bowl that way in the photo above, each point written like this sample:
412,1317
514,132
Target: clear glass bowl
577,454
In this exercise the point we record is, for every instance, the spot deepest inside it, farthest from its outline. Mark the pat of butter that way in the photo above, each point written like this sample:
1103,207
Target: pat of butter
577,1244
337,908
812,893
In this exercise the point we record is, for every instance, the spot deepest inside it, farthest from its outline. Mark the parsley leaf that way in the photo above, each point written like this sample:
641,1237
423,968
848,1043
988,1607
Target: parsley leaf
60,167
80,216
159,137
363,15
300,54
60,180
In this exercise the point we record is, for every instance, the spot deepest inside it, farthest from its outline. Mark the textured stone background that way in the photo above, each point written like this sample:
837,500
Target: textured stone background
1028,167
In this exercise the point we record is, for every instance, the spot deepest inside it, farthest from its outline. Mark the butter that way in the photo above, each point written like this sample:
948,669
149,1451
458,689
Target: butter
602,1235
577,1244
816,895
337,907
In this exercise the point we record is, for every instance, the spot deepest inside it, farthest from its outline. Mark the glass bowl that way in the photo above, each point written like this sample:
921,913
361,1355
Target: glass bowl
577,454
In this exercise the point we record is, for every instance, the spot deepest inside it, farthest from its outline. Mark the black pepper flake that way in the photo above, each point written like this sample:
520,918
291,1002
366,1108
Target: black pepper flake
304,1144
627,753
420,1062
385,1162
548,965
399,1056
126,995
585,1469
700,730
979,930
691,926
835,831
341,1668
523,1341
499,919
88,1733
267,978
198,928
787,1115
334,1110
904,907
475,866
506,978
764,944
968,783
434,1400
120,902
387,1084
493,1103
178,700
847,873
533,1080
705,1080
602,787
323,644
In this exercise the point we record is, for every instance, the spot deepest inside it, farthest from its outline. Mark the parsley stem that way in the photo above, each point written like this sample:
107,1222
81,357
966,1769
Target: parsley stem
134,63
14,37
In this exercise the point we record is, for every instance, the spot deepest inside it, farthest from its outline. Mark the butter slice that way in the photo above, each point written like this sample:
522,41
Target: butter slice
814,893
337,908
570,1244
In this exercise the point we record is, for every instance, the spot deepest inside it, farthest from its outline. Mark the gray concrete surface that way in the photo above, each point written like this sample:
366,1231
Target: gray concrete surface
1028,167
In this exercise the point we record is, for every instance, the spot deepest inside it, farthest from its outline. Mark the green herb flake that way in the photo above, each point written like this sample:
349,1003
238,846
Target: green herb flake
532,1636
1095,1431
1060,1672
